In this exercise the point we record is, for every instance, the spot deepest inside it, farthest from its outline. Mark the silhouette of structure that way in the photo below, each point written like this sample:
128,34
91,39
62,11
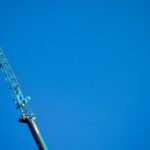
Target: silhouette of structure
21,102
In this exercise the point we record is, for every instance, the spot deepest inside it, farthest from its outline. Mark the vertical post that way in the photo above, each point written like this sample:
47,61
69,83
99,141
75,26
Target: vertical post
36,134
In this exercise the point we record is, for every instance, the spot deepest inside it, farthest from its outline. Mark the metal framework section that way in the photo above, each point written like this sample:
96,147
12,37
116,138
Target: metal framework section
13,85
25,113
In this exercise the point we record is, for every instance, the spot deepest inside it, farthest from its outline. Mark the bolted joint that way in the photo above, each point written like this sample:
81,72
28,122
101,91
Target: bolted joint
25,116
21,105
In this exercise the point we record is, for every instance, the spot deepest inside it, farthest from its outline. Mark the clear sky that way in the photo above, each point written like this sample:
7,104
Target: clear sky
85,64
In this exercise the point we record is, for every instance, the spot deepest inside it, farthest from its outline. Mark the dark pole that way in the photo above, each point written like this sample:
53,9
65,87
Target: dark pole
36,134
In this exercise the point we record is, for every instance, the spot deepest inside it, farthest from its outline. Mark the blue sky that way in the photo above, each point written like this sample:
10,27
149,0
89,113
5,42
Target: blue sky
85,65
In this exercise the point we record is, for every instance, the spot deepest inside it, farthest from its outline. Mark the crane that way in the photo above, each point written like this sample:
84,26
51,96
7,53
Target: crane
25,113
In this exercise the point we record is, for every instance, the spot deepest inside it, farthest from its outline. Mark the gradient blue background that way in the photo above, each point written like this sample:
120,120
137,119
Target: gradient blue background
86,66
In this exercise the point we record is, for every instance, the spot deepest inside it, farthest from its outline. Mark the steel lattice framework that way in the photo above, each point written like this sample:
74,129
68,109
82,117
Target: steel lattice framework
19,100
25,113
